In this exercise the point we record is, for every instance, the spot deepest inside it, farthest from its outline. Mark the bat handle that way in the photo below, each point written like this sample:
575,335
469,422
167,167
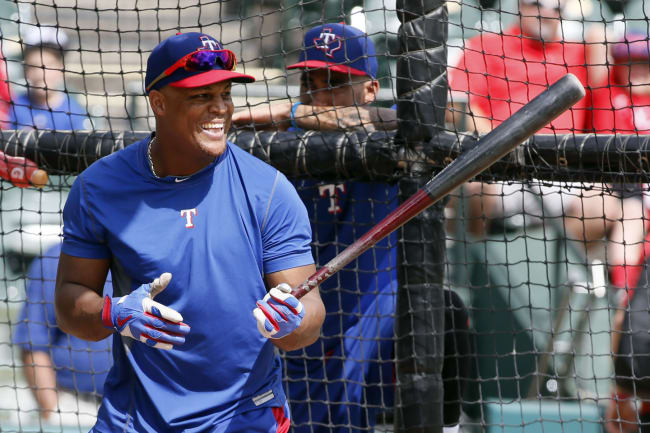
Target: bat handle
22,172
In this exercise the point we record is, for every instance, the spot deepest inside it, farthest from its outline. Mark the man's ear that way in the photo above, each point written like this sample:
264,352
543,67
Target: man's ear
157,102
372,90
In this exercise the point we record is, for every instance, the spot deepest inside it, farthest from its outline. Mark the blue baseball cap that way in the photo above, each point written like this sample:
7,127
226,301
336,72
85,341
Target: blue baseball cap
165,57
635,46
340,48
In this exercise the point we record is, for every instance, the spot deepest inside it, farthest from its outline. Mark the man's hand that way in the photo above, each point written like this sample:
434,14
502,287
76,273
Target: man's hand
138,316
279,313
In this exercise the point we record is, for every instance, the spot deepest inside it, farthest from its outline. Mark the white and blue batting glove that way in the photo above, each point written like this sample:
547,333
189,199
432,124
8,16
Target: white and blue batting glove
279,313
138,316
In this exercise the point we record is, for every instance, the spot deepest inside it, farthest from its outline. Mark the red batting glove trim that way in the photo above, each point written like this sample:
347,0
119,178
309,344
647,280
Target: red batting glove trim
163,331
106,313
269,317
279,312
280,301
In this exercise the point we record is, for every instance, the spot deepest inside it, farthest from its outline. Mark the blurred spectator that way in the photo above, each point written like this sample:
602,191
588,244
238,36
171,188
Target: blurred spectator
622,106
499,73
629,407
65,373
46,105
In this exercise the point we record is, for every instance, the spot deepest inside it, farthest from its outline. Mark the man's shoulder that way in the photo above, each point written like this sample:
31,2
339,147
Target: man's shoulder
250,161
118,164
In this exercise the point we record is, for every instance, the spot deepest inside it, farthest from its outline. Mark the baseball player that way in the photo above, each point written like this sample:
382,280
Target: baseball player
341,383
203,242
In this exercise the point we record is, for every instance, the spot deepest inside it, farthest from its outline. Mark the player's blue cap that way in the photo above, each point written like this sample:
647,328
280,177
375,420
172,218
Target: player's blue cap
635,46
340,48
191,60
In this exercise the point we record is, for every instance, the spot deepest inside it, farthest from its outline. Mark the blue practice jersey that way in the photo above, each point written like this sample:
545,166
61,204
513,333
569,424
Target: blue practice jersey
340,214
68,115
218,232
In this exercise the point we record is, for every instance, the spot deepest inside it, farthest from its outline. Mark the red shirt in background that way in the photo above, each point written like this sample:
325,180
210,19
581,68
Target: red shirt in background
502,72
617,110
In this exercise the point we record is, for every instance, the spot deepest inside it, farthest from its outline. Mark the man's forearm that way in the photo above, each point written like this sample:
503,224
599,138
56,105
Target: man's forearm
41,378
79,312
336,118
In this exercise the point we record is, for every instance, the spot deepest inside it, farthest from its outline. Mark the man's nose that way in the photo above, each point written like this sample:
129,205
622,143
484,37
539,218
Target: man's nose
218,105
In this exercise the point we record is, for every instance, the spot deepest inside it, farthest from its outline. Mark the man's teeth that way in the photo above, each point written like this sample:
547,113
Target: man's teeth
212,125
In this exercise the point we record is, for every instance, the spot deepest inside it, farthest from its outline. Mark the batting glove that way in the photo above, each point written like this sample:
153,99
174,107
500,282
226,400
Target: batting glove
279,313
138,316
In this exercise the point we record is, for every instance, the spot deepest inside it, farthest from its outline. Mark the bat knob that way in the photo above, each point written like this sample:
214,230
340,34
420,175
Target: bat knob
39,178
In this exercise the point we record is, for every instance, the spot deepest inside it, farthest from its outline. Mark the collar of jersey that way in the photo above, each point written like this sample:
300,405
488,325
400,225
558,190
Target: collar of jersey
185,179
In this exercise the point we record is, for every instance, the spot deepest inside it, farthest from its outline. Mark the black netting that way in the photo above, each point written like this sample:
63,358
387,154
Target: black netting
517,303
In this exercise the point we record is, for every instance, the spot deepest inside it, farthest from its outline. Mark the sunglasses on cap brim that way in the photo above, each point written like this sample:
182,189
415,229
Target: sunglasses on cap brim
200,60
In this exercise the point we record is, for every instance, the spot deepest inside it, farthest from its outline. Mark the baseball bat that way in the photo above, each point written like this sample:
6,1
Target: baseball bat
21,172
514,130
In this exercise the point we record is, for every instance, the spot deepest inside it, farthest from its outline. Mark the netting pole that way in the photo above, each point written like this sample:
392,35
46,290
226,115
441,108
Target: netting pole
419,348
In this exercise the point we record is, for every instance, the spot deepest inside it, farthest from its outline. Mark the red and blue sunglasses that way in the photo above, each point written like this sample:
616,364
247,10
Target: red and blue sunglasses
200,60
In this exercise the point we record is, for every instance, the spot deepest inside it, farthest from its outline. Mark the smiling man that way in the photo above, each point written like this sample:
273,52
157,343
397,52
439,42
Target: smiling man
215,235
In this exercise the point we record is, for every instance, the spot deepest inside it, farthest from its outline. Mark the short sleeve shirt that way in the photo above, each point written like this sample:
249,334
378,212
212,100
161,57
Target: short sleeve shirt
617,111
68,115
218,232
499,73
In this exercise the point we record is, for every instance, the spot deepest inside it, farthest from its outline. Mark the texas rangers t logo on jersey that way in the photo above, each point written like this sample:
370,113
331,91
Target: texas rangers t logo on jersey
189,214
332,190
208,43
328,42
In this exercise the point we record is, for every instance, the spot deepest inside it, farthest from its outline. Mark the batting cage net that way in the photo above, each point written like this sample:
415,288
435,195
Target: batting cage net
517,302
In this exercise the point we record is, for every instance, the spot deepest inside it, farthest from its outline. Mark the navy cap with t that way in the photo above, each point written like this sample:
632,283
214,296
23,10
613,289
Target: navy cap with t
174,48
339,48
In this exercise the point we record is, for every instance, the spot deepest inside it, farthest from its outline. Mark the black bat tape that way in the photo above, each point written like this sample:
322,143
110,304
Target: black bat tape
514,130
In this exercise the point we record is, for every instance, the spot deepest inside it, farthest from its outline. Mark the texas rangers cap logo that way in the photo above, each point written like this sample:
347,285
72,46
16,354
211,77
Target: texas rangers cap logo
208,43
328,42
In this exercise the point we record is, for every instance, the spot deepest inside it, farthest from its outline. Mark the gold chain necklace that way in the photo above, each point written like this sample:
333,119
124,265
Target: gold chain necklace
153,170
